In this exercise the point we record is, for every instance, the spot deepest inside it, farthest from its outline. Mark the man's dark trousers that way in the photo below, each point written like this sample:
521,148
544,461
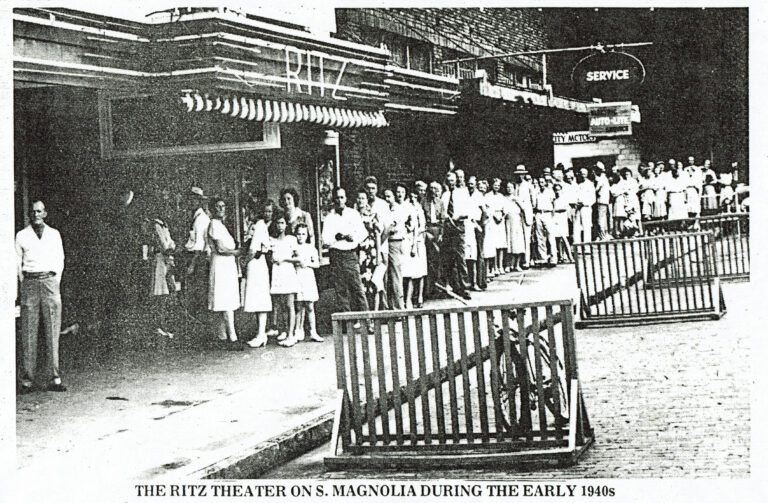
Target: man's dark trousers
347,283
452,257
482,270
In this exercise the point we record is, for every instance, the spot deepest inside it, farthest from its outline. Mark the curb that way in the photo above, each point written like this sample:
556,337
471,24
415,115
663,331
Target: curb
253,462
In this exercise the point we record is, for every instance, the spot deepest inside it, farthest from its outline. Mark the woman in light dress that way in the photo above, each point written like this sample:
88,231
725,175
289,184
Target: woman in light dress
647,187
307,262
163,281
676,186
625,203
660,204
284,282
415,254
495,242
223,288
257,298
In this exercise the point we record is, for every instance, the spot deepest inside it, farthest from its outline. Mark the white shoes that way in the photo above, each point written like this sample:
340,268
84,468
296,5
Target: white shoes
282,337
315,337
271,333
289,341
299,333
258,341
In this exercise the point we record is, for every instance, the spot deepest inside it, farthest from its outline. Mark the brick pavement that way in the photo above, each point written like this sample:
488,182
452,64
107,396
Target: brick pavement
667,400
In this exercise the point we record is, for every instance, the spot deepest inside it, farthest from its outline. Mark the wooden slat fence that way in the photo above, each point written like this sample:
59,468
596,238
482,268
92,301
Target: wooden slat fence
465,386
729,242
649,279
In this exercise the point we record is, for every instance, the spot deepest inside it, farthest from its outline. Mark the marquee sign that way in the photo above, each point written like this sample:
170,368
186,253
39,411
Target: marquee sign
610,119
611,74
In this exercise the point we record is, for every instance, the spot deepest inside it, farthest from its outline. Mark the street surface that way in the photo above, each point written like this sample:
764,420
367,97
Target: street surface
666,400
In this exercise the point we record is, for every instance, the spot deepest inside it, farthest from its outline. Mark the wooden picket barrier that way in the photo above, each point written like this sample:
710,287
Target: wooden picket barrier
458,387
730,240
668,277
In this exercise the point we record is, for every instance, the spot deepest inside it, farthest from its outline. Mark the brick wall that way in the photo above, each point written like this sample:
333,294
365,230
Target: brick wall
626,150
477,31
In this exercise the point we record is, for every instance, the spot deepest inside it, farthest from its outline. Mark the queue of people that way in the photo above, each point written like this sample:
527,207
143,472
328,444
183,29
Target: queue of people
390,251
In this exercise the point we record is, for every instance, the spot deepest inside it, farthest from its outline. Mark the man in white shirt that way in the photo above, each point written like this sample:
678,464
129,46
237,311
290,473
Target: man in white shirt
198,254
343,231
603,194
544,211
433,211
585,198
475,235
525,195
457,209
40,262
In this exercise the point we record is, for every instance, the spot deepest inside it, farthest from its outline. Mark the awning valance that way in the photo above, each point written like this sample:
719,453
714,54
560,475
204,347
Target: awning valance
267,110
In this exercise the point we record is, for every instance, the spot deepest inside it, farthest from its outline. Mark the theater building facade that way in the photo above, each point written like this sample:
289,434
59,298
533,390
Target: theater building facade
243,106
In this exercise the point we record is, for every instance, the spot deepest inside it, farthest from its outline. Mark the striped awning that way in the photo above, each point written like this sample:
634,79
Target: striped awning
266,110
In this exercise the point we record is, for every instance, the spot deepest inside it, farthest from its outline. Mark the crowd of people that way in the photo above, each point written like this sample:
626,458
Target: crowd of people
388,251
394,248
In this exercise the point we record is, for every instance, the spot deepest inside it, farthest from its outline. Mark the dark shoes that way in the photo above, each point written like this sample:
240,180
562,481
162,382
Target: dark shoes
23,389
465,296
58,387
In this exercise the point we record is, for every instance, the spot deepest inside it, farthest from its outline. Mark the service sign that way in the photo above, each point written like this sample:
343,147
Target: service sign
610,119
606,75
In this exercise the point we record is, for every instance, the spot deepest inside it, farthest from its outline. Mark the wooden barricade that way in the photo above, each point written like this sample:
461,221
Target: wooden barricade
458,387
669,277
730,240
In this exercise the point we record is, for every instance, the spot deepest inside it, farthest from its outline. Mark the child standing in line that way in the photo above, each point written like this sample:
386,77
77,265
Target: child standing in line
305,274
284,281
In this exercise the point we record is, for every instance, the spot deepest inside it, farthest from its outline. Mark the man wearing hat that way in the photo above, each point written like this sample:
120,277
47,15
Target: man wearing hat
198,251
524,197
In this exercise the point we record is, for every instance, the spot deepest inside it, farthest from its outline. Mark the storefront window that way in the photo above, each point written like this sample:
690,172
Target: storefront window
159,124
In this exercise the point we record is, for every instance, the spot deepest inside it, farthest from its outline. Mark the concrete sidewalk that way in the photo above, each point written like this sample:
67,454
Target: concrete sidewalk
178,411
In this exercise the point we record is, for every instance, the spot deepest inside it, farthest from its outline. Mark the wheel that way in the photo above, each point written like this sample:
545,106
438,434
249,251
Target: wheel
510,398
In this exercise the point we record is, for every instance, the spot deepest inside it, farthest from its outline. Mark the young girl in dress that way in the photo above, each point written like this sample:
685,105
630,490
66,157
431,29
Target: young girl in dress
305,274
284,283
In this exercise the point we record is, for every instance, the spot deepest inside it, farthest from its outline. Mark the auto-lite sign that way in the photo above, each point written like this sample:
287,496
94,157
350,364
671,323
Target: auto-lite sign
610,119
608,75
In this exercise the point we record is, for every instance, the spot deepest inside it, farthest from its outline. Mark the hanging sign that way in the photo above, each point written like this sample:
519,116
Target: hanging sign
610,119
607,75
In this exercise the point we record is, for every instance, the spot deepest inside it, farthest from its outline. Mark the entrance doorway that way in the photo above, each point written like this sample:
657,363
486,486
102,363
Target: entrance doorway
589,162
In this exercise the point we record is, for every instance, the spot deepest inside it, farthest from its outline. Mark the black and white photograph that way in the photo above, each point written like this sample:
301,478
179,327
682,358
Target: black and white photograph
345,250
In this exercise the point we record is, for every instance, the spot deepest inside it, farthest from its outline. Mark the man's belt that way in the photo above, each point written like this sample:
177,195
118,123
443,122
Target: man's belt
543,211
38,275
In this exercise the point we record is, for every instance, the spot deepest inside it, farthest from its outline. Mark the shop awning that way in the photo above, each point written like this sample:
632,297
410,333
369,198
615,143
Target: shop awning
267,110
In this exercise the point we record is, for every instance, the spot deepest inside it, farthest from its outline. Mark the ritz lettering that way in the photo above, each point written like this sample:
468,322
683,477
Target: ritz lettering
305,72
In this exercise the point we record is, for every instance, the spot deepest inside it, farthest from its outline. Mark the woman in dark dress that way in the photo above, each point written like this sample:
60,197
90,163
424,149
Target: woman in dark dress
369,252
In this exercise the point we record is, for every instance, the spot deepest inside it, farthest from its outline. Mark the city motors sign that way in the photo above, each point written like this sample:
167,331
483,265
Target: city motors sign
608,75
